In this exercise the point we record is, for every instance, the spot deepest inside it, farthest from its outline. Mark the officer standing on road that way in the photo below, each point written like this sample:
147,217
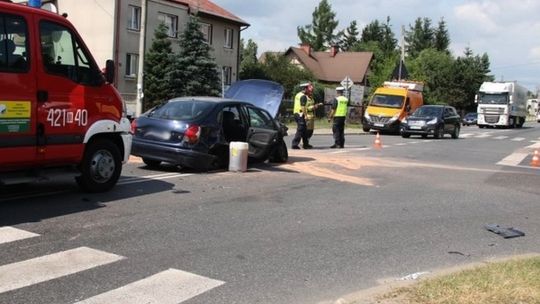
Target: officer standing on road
338,115
303,106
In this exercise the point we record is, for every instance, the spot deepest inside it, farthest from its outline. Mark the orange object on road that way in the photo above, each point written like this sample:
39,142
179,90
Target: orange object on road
535,162
378,143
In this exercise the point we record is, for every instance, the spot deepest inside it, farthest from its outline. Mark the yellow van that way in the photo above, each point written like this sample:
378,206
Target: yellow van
391,103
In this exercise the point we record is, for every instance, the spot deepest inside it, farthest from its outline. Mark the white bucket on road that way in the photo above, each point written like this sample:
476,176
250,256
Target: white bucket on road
238,156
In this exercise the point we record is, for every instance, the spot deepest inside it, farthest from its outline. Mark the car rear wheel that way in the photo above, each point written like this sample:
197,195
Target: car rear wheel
424,135
365,128
151,162
101,166
279,154
455,134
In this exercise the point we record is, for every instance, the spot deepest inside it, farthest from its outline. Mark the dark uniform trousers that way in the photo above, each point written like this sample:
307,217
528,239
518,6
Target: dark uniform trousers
338,129
301,131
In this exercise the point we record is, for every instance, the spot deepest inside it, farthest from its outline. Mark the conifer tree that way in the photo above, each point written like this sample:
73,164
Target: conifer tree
157,65
320,33
441,37
195,71
350,37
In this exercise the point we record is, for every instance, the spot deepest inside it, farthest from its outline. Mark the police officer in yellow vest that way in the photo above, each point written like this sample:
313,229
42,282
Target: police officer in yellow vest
338,114
304,115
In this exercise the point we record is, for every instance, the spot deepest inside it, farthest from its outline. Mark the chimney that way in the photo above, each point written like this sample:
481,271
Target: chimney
334,50
306,47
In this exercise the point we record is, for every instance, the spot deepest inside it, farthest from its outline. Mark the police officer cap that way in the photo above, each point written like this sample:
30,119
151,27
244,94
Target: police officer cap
305,84
340,89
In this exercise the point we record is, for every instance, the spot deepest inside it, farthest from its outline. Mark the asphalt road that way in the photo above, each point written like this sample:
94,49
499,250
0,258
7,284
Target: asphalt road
328,223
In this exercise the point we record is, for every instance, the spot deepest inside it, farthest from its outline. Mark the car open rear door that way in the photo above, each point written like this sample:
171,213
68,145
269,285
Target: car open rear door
262,133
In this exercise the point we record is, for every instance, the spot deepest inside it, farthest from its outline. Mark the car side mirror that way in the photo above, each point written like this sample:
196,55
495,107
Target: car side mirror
109,71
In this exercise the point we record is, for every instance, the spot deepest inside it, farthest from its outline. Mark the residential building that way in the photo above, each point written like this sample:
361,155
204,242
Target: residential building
332,66
111,30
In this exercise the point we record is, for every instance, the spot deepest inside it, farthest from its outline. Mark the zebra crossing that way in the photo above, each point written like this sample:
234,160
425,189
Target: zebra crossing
168,286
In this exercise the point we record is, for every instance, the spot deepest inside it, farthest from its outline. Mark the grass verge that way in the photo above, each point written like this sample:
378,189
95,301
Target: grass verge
324,124
515,281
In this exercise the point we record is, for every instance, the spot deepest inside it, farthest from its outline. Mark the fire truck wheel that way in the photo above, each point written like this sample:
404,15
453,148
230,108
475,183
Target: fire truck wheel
100,167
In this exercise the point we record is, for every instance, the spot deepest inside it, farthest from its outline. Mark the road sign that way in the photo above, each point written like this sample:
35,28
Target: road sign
347,82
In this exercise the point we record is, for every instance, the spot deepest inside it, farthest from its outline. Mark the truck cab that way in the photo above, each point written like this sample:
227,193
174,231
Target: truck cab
392,103
501,104
58,111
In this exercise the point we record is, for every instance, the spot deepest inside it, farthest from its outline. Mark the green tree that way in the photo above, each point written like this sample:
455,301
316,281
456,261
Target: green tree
320,34
350,37
419,37
158,64
278,68
250,68
195,71
441,37
382,34
469,72
435,69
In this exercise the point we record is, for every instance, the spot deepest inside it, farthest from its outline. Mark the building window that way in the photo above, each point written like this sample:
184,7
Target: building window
227,75
132,60
171,22
228,38
134,21
206,29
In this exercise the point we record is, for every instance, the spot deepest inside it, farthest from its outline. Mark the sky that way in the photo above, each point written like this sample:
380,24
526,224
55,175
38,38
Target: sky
507,30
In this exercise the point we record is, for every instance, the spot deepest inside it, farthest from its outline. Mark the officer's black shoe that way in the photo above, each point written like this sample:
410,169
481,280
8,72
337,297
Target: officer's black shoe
333,146
308,146
341,147
295,147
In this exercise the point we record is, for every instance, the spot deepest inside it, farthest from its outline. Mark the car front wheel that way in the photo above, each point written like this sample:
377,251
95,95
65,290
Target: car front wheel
279,154
439,132
455,134
101,166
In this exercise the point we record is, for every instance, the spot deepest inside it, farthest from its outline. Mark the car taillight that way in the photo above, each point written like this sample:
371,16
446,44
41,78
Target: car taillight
192,134
133,126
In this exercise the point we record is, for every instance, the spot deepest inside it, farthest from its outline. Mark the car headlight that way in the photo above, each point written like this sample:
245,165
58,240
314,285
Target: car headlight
404,121
394,118
366,115
433,121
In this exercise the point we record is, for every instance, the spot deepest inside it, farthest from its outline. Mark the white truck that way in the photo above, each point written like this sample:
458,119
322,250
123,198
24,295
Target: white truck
501,104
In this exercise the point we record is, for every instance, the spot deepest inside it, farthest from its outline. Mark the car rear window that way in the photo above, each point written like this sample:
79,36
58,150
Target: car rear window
182,110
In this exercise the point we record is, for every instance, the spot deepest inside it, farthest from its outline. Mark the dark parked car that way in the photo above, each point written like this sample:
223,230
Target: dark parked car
470,119
195,132
432,119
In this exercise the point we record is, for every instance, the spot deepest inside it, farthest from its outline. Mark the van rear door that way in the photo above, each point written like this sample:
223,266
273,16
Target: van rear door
17,91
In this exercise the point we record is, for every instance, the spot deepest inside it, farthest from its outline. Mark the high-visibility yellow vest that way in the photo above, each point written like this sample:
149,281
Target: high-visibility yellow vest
342,103
297,106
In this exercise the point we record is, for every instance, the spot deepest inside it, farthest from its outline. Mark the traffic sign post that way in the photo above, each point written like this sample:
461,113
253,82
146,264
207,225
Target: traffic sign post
347,83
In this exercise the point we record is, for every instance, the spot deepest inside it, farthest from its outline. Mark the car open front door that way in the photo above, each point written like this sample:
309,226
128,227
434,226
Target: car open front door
261,133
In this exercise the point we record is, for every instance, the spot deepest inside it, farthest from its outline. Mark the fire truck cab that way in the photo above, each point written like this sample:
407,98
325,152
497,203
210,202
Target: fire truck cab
58,111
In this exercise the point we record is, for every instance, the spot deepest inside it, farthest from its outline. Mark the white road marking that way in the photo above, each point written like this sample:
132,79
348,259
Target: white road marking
513,159
483,135
413,142
168,287
466,135
10,234
534,146
401,144
122,179
518,139
501,137
149,178
53,266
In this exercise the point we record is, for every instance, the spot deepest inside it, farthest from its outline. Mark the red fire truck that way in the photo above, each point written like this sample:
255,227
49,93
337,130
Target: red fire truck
59,114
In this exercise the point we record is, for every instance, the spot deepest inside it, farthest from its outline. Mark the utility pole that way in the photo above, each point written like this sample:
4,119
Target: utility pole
402,59
140,64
